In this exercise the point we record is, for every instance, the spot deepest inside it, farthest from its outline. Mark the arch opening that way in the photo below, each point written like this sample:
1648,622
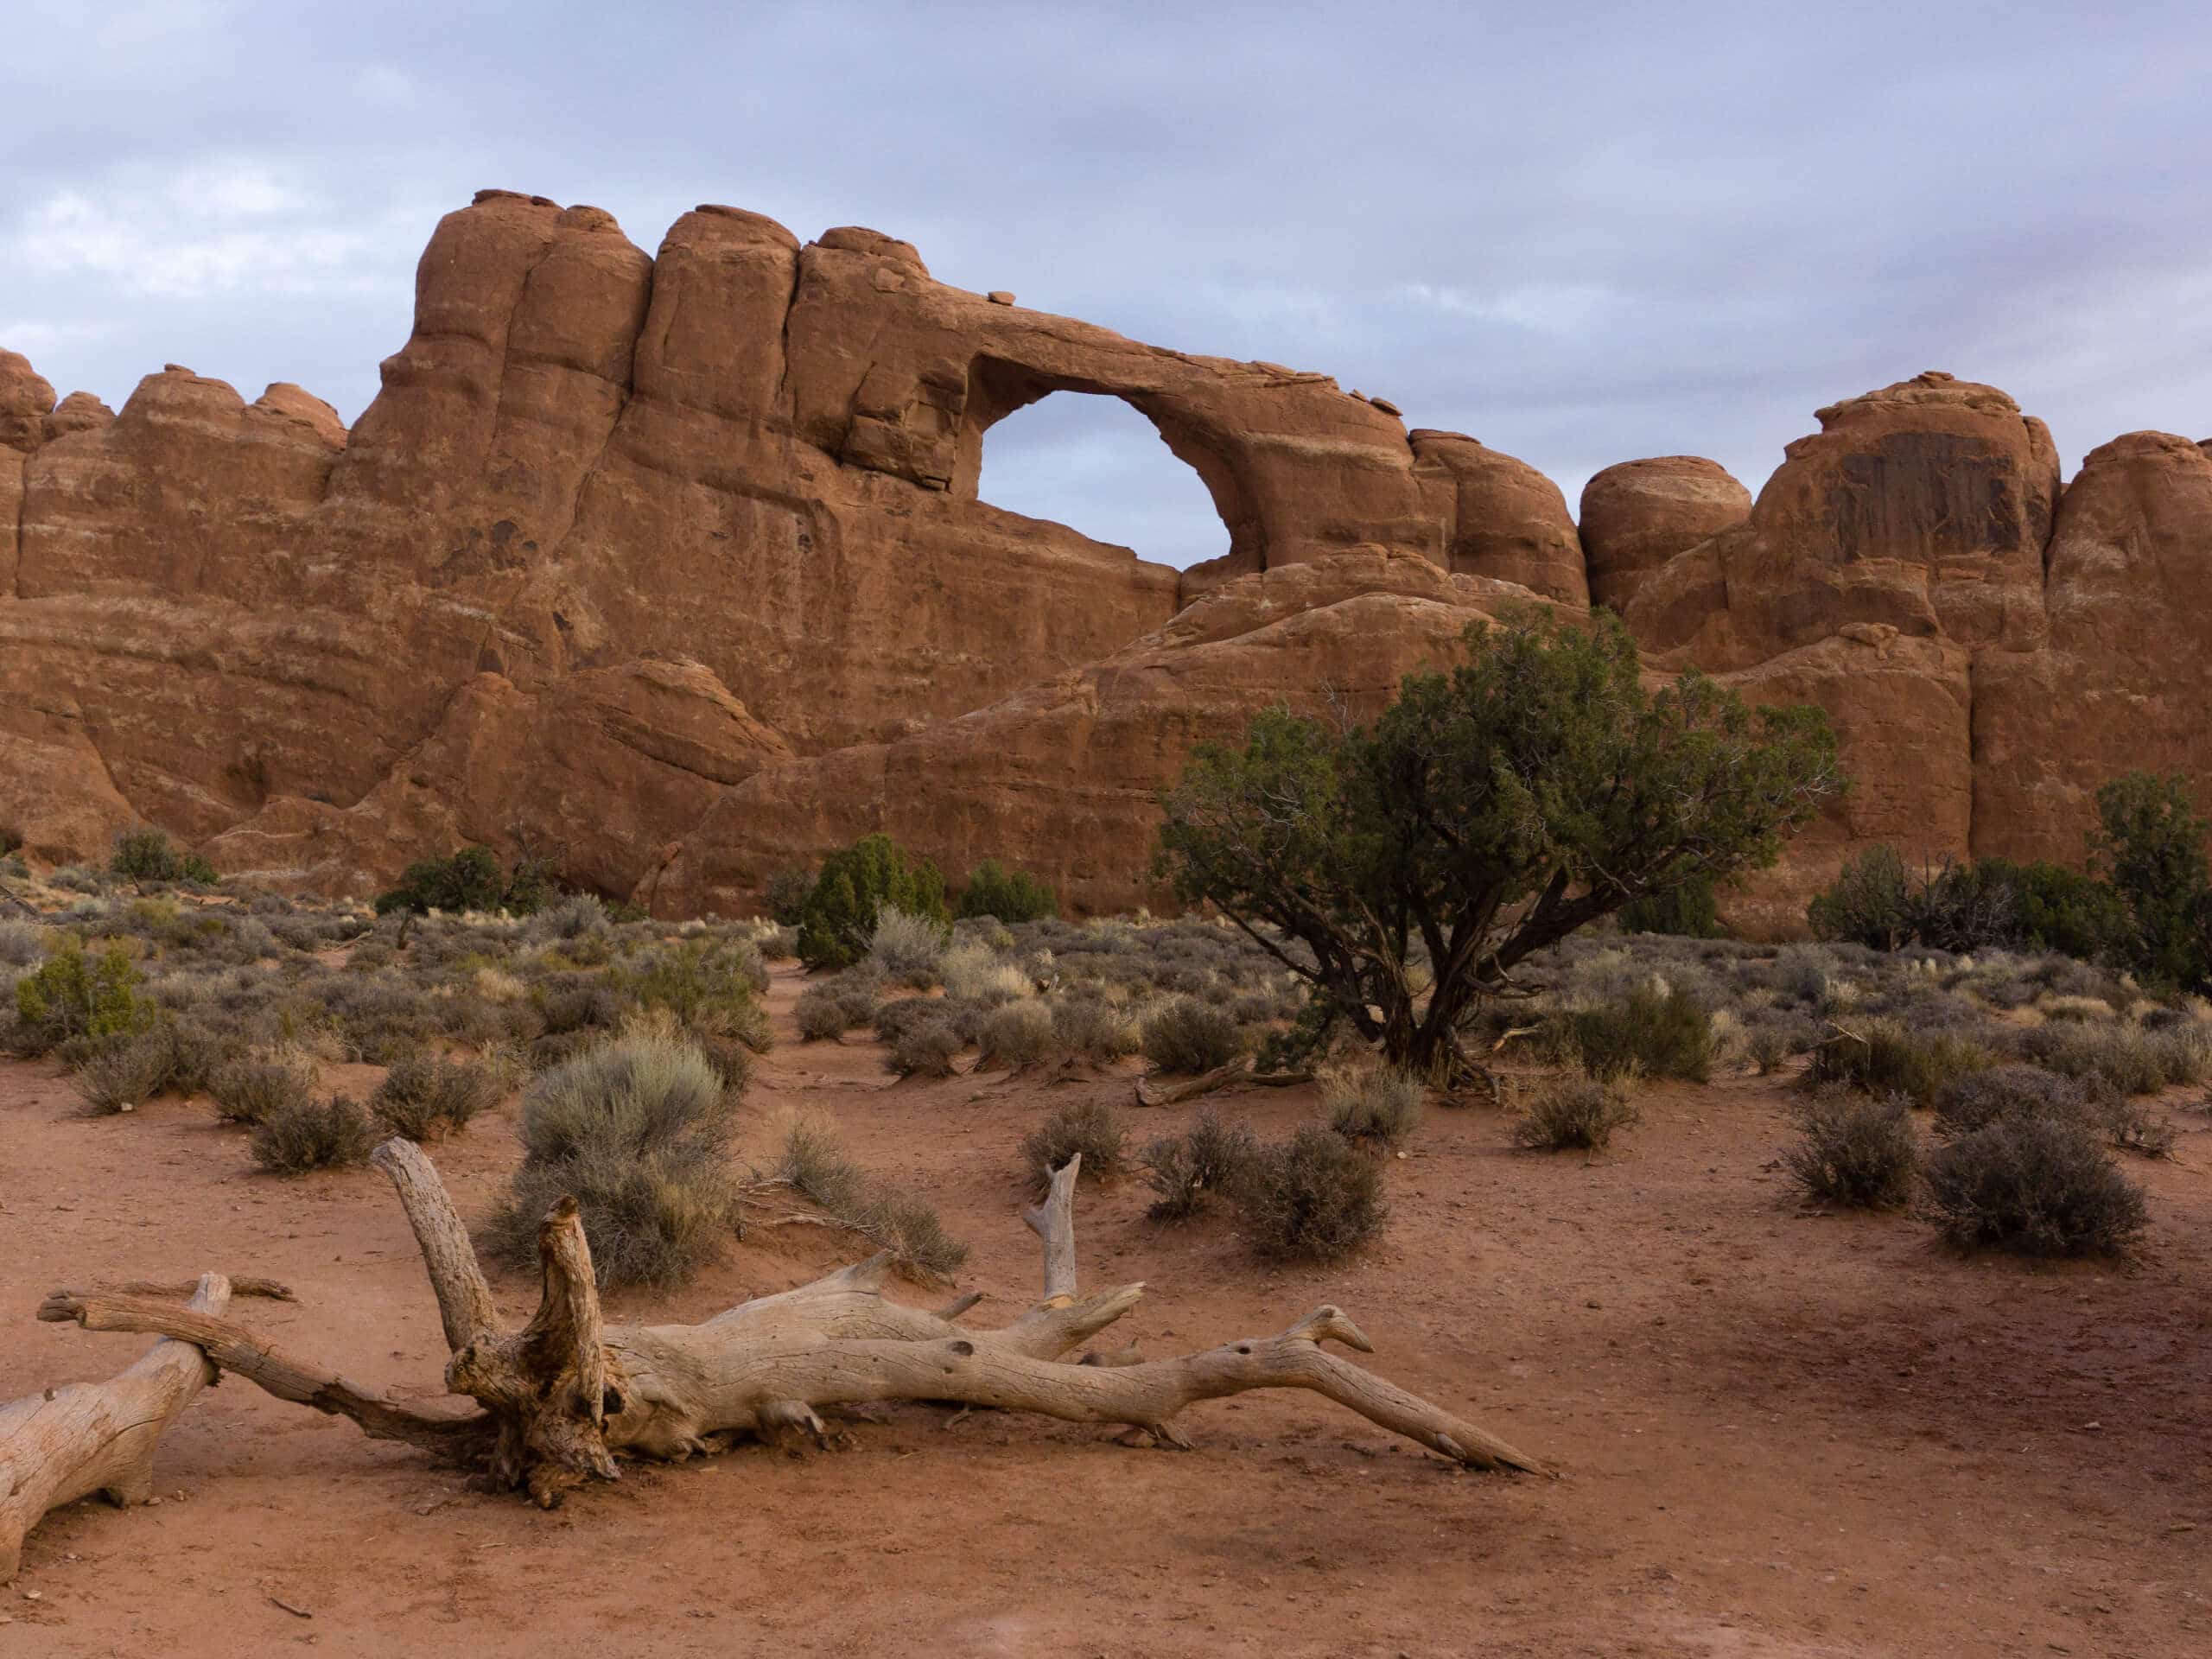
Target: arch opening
1096,463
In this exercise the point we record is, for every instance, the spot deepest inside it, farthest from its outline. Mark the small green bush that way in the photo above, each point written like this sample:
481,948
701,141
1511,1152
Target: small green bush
1315,1198
1687,912
784,894
1187,1170
839,916
637,1131
1010,896
1655,1033
710,988
301,1135
149,855
1091,1128
1185,1034
424,1096
2039,1185
1576,1111
73,995
469,880
1856,1150
1382,1106
249,1089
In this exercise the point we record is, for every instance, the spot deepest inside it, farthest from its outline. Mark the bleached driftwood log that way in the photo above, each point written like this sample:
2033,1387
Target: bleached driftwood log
561,1397
82,1438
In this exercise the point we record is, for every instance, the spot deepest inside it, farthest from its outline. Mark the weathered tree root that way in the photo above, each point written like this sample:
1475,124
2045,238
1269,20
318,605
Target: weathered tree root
70,1442
562,1396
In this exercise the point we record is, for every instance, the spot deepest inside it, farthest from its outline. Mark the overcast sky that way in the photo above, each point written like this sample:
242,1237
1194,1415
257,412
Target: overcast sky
1581,234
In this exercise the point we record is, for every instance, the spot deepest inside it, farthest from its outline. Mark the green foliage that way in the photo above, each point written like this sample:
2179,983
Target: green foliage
709,987
637,1131
1687,910
72,996
2149,845
838,920
1315,1198
1090,1127
784,895
148,855
1652,1032
469,880
2058,909
1882,1056
1488,812
1009,895
1855,1150
1878,902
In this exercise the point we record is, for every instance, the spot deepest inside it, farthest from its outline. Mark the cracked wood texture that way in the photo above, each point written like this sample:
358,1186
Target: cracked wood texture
82,1438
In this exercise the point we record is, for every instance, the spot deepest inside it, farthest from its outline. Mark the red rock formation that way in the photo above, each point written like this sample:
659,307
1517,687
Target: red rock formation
673,567
1639,514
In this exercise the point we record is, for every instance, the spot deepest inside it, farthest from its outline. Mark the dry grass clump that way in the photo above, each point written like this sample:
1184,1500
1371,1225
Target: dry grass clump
1190,1035
1017,1034
1883,1056
637,1131
2037,1185
425,1095
1575,1110
1855,1149
2133,1059
1090,1030
1091,1128
1187,1170
1381,1106
906,947
974,972
298,1135
1315,1198
249,1089
1655,1031
815,1165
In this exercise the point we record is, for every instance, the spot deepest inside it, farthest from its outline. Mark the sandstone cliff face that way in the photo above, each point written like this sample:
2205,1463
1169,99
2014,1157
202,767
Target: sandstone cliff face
673,566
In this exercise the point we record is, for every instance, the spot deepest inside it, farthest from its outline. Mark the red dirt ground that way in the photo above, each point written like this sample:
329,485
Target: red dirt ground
1781,1435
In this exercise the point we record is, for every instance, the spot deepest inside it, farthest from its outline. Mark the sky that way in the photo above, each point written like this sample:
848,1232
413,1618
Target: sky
1582,233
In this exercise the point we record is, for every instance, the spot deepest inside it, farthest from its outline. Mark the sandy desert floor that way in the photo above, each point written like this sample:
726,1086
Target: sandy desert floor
1781,1434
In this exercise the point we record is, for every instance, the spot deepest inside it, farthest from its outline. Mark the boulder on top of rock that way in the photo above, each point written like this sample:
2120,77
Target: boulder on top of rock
1637,515
1500,517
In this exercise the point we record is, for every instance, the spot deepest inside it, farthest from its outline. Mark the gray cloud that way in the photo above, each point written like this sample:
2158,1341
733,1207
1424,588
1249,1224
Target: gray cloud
1583,233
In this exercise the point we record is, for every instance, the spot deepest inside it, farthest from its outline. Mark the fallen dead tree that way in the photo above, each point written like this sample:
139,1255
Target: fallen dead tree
559,1399
70,1442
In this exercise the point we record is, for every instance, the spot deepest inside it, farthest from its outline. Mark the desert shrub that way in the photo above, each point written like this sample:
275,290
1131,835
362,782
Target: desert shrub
1772,1041
11,839
1009,895
1185,1034
816,1164
21,943
1186,1170
247,1090
2057,909
897,1015
926,1048
784,895
1575,1110
1657,1031
907,947
1855,1149
1315,1198
838,919
128,1072
1020,1032
1091,1030
1380,1106
73,995
471,880
637,1131
1091,1128
423,1096
299,1135
578,916
2038,1185
149,855
777,943
1979,1098
821,1014
974,973
710,988
1687,910
1883,1057
2150,847
2129,1059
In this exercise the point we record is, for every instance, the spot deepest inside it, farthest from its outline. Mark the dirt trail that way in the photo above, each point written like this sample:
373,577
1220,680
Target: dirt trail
1782,1435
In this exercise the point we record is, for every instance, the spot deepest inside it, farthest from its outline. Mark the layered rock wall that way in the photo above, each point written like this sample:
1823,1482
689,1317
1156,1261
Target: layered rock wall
675,566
